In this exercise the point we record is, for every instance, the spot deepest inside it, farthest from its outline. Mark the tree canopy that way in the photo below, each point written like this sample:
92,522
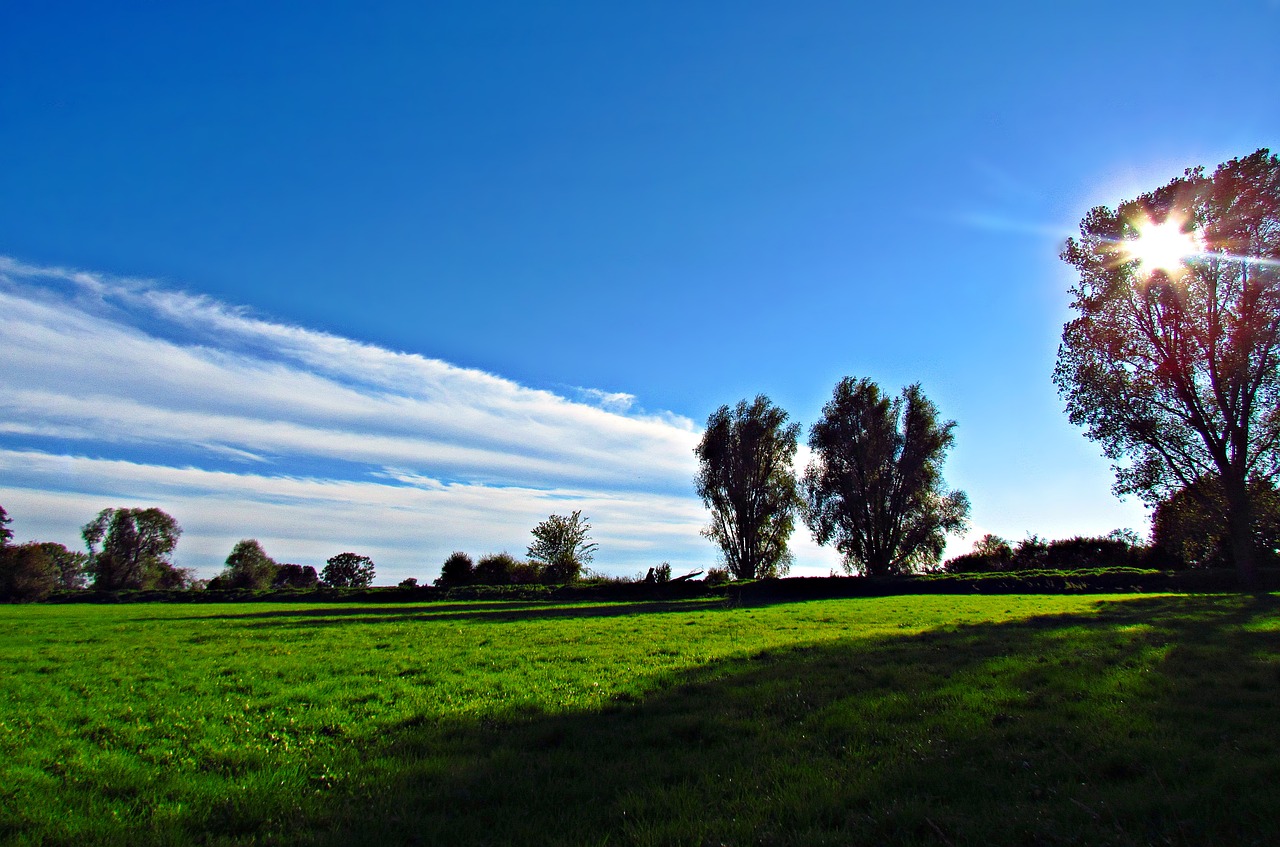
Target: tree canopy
875,485
348,570
747,481
1172,362
135,545
248,566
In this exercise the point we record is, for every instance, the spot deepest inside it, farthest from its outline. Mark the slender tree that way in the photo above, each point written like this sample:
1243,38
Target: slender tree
747,481
1172,363
875,485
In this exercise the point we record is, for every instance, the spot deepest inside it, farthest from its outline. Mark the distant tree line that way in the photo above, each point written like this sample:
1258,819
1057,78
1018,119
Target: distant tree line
131,549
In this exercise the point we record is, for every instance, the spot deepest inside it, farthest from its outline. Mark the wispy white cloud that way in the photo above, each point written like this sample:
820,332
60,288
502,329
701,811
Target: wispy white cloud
123,392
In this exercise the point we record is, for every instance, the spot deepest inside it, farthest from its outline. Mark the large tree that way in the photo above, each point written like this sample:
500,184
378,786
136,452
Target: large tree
747,480
875,485
1173,361
130,548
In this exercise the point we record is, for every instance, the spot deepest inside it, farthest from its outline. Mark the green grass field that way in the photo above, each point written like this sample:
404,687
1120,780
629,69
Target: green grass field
905,720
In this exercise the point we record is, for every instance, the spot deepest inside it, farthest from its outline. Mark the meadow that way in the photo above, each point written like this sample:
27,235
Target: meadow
1085,719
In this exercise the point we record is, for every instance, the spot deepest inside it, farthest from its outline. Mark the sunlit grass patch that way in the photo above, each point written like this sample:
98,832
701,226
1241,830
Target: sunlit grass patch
921,719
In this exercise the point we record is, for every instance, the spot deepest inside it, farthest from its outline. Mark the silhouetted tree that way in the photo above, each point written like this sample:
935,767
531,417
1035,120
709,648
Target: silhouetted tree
26,573
6,534
875,485
747,480
458,569
135,549
562,544
348,570
1173,366
248,566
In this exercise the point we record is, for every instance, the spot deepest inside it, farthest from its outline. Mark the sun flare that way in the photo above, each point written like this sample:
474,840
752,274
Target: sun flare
1162,246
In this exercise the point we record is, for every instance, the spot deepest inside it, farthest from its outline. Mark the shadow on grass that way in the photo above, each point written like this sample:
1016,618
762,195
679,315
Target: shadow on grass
1150,721
495,612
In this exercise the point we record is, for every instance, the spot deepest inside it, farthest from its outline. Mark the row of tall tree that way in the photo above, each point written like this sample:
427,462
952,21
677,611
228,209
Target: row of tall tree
874,488
1172,364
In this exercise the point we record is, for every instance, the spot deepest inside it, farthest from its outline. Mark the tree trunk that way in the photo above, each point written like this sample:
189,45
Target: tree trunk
1240,533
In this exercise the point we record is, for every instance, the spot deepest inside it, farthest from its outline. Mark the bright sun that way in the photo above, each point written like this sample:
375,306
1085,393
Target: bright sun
1162,246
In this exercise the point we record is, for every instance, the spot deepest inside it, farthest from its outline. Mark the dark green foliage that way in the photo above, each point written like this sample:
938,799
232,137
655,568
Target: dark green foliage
248,566
747,481
135,549
1177,374
458,569
660,575
27,573
6,534
501,569
716,576
1188,529
1079,553
348,570
562,546
411,582
296,576
72,565
875,485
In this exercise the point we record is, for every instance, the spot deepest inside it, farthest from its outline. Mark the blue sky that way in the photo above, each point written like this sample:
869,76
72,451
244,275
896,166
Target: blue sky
405,278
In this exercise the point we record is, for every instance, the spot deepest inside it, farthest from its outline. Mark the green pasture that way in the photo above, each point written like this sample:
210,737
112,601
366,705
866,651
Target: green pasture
944,720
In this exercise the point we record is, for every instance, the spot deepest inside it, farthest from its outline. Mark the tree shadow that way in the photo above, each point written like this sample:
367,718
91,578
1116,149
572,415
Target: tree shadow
495,612
1129,726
